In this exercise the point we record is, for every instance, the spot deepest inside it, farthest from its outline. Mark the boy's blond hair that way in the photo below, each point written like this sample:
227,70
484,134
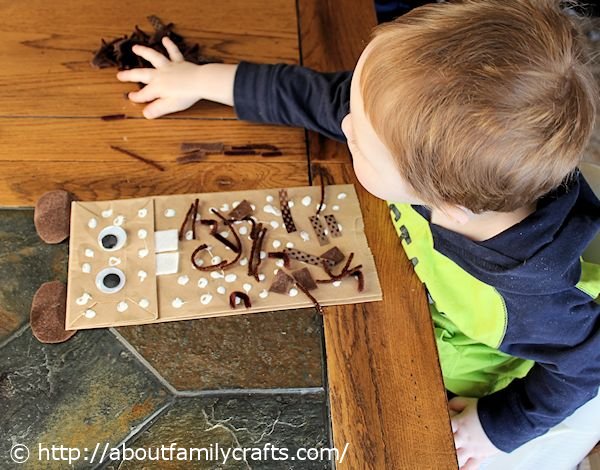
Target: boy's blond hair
486,104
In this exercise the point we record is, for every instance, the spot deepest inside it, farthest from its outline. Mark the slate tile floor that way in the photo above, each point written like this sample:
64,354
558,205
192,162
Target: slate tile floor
238,381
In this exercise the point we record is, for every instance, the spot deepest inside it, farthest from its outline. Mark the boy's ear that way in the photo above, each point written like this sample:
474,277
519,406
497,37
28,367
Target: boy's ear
459,214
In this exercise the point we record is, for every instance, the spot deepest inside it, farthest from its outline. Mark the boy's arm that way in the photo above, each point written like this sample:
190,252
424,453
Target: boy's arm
293,96
566,374
278,94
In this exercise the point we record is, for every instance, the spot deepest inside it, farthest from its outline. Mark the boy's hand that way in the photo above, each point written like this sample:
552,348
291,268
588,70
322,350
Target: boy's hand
471,442
172,85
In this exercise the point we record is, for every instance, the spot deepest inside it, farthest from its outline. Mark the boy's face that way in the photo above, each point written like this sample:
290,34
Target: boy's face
373,163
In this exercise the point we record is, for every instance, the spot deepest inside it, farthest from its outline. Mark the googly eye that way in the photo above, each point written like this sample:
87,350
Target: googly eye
110,280
112,238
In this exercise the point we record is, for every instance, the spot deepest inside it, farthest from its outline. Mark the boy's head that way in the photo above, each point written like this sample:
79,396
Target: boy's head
481,104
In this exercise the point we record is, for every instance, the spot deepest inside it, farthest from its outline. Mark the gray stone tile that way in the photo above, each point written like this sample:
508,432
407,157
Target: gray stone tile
88,390
26,262
248,421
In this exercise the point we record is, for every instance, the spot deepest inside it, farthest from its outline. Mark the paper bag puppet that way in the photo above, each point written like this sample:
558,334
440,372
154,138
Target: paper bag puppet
166,258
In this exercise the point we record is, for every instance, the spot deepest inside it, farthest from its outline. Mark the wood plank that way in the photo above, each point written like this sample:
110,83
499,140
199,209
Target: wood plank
385,388
22,184
88,140
46,49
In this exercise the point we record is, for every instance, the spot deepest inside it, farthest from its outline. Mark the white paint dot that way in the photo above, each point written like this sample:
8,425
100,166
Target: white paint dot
335,207
177,302
235,204
269,209
114,261
263,294
122,306
142,234
293,292
280,263
340,227
306,200
217,275
119,221
276,244
289,245
224,234
337,283
107,213
86,268
263,255
238,301
244,261
92,223
290,204
142,275
247,287
189,235
183,280
89,253
144,303
170,213
275,271
243,230
231,277
253,207
274,224
89,313
84,299
143,252
224,207
202,282
323,207
304,235
205,299
342,196
221,290
199,262
269,198
215,260
142,213
261,277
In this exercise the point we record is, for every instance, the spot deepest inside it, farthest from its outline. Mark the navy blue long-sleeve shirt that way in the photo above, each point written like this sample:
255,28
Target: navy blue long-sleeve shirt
535,265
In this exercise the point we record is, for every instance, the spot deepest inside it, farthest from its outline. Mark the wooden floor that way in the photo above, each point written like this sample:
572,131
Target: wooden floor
386,394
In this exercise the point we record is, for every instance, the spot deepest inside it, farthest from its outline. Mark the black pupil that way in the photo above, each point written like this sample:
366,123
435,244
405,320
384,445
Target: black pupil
111,280
109,241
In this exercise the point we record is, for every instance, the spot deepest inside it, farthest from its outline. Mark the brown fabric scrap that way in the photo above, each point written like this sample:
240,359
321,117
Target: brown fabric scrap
307,258
52,216
281,283
332,225
285,211
317,226
48,312
303,277
335,255
241,211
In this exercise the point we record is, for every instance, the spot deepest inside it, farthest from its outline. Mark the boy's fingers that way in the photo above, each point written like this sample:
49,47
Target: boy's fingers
152,56
172,49
457,404
144,95
158,108
136,75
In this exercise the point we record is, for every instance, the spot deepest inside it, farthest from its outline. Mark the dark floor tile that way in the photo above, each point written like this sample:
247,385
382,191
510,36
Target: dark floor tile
250,421
264,350
88,390
25,263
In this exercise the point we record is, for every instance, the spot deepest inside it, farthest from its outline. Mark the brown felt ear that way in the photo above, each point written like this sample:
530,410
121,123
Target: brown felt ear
52,216
48,311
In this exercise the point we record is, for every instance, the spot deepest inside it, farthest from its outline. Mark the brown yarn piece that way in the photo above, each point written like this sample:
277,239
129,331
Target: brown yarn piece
240,295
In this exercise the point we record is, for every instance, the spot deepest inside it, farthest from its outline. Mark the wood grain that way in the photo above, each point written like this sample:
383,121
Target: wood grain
22,185
45,53
86,140
386,393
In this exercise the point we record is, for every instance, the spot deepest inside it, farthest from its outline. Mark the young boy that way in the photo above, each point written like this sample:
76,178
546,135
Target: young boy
471,117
